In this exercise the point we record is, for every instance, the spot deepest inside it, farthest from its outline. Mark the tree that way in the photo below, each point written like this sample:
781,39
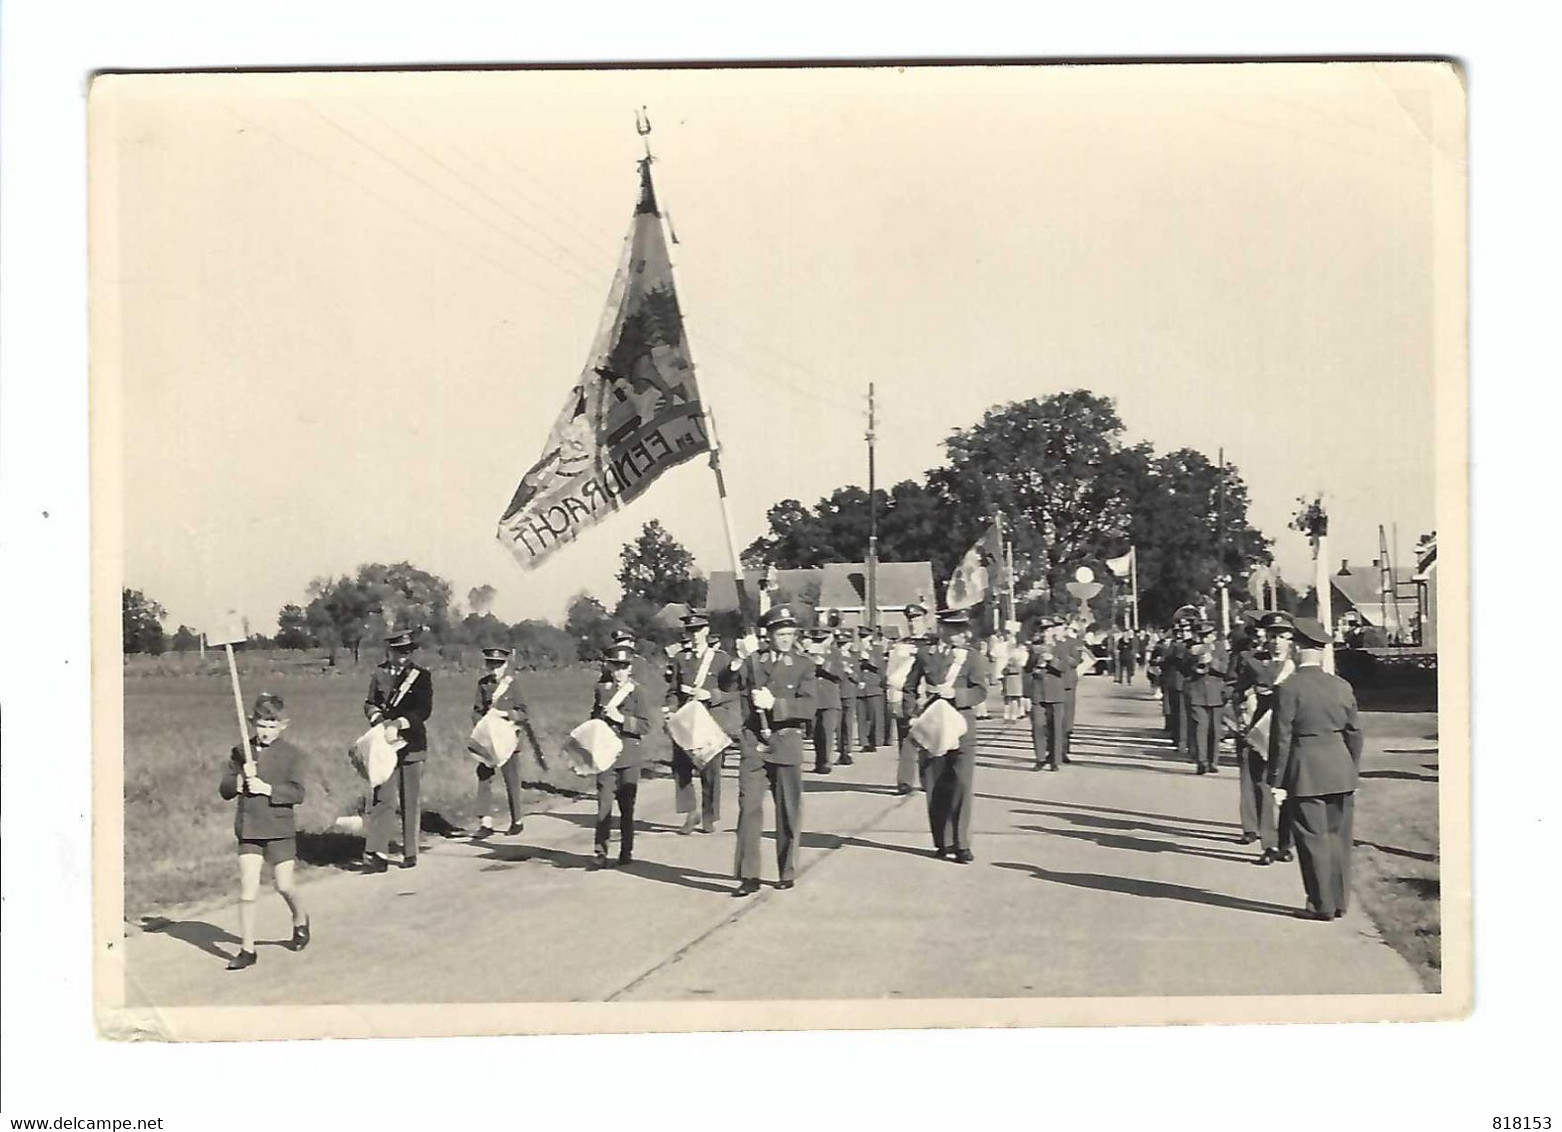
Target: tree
1177,527
293,629
912,528
541,644
589,626
141,618
480,599
186,639
657,568
343,612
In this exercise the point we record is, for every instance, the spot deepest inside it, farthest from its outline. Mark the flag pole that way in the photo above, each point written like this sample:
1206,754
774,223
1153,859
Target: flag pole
1133,581
873,523
707,414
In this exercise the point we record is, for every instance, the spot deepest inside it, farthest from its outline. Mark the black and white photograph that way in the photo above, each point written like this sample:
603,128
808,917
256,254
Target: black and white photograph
615,549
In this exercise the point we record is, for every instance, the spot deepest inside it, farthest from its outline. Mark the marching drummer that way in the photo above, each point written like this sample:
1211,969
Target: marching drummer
619,704
700,672
489,697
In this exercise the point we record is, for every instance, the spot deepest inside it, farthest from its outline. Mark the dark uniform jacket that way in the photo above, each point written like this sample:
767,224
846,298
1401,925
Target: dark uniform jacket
1204,674
408,696
511,704
723,702
1314,741
870,670
851,672
930,671
829,672
1171,666
631,729
790,678
263,817
1054,671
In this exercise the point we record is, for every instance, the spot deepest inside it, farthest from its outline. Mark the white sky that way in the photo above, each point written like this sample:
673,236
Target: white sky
350,306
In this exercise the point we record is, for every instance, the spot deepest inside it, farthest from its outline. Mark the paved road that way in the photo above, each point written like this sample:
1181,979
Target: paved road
1120,875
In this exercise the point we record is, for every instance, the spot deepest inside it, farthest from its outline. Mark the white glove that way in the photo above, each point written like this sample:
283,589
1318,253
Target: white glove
1280,795
748,646
764,699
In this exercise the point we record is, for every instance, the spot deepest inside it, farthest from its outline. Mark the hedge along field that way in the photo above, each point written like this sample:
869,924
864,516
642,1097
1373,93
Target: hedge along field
180,728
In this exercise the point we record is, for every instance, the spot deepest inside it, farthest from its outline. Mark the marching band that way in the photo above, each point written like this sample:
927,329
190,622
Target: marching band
772,702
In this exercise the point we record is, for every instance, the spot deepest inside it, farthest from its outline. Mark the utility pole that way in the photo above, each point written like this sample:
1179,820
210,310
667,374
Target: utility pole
1223,580
873,523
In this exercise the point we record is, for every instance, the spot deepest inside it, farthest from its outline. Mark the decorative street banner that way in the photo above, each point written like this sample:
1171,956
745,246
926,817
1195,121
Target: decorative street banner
634,413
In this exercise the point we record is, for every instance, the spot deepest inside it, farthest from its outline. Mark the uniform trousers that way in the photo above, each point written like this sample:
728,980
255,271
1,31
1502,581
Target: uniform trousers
906,769
1256,805
1323,832
870,722
1171,707
1068,723
950,782
621,785
511,773
1204,733
848,733
684,774
1046,732
1125,672
827,736
406,783
785,784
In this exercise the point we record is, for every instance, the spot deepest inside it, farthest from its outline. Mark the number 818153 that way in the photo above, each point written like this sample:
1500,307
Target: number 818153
1521,1123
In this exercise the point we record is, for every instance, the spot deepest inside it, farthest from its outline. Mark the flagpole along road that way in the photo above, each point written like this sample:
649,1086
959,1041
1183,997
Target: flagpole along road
1120,875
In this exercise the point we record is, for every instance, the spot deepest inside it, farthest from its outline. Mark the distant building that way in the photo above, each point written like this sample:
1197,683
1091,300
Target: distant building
1426,584
841,586
1361,607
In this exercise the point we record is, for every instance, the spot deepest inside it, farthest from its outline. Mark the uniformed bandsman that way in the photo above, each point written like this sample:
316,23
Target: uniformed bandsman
1259,811
1315,760
829,671
700,671
777,689
851,691
1171,687
514,709
1053,676
1205,664
956,671
619,703
870,697
401,697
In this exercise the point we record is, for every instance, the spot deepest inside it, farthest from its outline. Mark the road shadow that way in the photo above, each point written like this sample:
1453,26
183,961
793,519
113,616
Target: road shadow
1073,806
330,849
203,936
1394,851
832,786
1403,775
838,841
640,868
1150,889
1064,811
1138,844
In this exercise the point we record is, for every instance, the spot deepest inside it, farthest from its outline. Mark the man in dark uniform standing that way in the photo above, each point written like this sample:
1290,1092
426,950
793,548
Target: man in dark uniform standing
829,671
955,671
1054,673
401,697
1266,671
851,677
870,699
1315,760
1204,687
1171,687
777,694
696,673
514,709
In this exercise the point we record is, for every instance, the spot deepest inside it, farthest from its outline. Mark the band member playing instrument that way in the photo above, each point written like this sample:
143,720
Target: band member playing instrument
401,698
619,703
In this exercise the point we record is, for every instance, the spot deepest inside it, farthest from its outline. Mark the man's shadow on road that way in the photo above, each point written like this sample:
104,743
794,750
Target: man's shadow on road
1064,811
506,856
1072,806
1154,889
1135,844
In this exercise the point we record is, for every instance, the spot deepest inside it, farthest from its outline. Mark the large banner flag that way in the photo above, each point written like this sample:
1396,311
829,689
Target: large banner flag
979,571
1121,567
633,414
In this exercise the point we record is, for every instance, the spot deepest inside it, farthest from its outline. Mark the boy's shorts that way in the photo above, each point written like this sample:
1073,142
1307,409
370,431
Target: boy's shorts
275,850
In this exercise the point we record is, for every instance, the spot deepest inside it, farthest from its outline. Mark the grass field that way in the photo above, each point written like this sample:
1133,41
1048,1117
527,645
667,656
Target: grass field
180,726
1395,871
